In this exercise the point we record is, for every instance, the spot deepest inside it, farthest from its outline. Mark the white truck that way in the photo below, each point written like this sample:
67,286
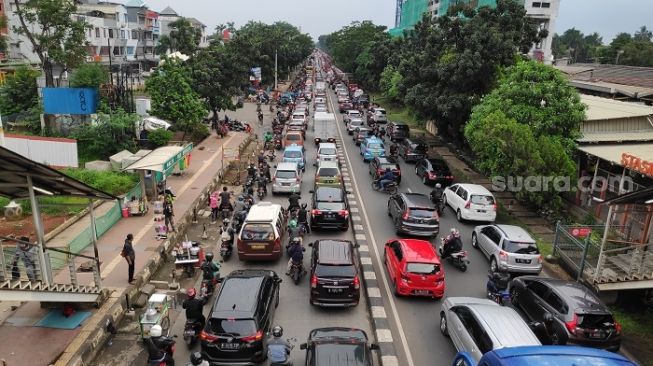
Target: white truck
324,126
320,86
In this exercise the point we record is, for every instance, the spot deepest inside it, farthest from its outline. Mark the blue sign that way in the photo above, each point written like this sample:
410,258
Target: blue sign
70,100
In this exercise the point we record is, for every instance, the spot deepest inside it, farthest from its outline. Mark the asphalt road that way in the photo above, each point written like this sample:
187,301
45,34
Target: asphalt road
415,321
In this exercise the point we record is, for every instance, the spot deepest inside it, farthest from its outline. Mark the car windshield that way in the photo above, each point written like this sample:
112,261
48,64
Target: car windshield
422,268
421,212
378,111
356,122
482,199
292,154
328,172
354,115
327,151
326,270
520,247
285,174
257,232
374,145
233,327
293,137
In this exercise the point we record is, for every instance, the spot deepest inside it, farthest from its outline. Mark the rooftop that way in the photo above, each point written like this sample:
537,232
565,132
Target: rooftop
168,11
604,108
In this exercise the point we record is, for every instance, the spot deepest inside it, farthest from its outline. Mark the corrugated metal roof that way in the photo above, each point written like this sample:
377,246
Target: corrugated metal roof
572,70
603,108
155,160
612,88
617,137
613,152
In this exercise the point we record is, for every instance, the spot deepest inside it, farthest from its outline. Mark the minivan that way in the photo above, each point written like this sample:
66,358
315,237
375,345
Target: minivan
287,178
334,273
328,173
397,131
327,151
241,316
471,202
262,233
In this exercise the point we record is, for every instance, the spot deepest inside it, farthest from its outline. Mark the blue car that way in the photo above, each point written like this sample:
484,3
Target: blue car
544,356
295,154
372,147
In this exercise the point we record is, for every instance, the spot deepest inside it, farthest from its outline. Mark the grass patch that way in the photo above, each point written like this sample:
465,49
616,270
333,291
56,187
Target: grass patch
637,332
398,112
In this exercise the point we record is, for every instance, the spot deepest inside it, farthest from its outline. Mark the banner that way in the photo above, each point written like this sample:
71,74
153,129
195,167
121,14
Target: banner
257,73
70,100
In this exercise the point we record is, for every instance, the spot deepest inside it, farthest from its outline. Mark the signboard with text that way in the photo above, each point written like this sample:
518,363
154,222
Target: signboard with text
70,100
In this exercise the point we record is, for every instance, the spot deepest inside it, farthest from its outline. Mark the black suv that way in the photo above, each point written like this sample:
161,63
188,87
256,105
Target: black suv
411,149
327,345
330,208
334,273
413,214
433,170
241,316
397,131
570,312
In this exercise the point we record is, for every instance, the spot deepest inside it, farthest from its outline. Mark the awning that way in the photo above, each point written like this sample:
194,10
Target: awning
641,197
637,157
614,137
162,159
604,108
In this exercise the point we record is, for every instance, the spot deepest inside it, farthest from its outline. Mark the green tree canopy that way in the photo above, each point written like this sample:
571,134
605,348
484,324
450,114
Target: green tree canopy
183,37
111,134
20,92
90,75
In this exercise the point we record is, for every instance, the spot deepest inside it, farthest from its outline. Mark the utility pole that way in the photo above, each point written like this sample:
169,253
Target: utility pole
275,70
2,133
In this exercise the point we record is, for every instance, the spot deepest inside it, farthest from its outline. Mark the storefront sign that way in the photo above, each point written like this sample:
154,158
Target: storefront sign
580,232
175,159
637,164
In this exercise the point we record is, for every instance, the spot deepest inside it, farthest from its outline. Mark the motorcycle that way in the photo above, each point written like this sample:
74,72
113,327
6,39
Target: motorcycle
226,248
271,155
239,218
390,188
297,271
497,287
261,193
292,342
170,350
438,202
458,259
192,330
277,143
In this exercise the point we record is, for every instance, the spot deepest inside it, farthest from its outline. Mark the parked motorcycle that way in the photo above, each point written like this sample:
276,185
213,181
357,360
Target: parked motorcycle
390,188
458,259
497,287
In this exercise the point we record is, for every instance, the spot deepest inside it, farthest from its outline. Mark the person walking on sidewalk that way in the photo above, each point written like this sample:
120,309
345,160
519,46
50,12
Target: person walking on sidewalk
168,214
129,255
213,204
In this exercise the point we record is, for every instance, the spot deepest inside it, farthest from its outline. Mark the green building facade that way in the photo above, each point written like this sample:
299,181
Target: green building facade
411,12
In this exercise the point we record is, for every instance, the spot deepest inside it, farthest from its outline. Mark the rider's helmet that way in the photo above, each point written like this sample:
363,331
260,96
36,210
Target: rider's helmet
295,240
196,358
292,223
455,232
387,170
156,331
225,221
209,256
191,292
277,331
438,185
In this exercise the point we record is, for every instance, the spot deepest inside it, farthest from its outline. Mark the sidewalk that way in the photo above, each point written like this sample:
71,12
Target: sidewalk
18,328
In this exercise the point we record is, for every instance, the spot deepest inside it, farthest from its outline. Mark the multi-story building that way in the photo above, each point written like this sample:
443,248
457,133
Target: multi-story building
169,15
545,12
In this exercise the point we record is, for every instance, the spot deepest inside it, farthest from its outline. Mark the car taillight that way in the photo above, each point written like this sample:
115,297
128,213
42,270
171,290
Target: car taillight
277,244
315,212
503,255
207,337
344,213
406,214
253,338
572,324
379,171
432,175
468,205
357,285
539,259
617,327
313,281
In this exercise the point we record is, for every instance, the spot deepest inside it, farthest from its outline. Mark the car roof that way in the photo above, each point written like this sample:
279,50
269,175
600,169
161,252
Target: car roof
322,192
353,111
507,327
576,295
287,166
386,160
337,333
417,200
327,164
415,250
475,189
373,139
239,293
327,145
293,147
334,251
263,212
557,355
515,233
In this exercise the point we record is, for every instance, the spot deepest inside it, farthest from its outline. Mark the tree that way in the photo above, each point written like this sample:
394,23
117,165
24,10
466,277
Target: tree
637,53
3,37
183,37
111,134
20,92
348,43
581,48
390,84
643,34
90,75
173,97
56,36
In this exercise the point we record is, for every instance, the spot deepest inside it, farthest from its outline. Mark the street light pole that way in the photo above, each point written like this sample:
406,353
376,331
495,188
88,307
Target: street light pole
275,71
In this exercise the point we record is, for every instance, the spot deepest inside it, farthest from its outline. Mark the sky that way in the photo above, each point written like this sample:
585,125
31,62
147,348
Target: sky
607,17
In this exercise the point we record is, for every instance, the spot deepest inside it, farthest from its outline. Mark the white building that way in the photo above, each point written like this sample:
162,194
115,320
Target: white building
545,12
169,15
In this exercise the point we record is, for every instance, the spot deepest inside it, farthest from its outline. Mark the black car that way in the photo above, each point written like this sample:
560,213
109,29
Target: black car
334,273
330,208
413,214
241,316
397,131
575,314
338,346
379,164
432,170
411,149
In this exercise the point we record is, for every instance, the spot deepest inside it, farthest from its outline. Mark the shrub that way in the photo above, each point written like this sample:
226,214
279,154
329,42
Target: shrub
115,183
199,132
160,137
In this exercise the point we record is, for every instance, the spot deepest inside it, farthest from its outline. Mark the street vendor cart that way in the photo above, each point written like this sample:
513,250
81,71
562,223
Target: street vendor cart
157,313
189,255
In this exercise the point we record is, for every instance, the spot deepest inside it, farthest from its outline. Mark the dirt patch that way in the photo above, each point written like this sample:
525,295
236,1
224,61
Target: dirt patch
25,226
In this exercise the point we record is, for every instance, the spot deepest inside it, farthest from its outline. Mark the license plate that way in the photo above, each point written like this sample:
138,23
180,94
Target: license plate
335,290
229,346
422,292
481,211
597,334
523,261
285,184
257,246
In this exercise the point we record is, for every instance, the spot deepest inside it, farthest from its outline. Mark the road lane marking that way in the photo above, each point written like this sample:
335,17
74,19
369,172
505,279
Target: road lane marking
393,306
369,275
363,248
356,218
410,190
389,361
378,312
358,227
360,237
366,260
384,335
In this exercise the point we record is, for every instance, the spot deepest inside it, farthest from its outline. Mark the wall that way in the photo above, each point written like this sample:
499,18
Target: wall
53,151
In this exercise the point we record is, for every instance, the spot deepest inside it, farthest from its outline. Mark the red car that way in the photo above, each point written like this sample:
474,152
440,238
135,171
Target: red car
414,268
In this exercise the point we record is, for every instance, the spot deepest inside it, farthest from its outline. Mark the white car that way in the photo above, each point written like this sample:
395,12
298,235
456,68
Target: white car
326,151
471,202
353,124
352,114
380,116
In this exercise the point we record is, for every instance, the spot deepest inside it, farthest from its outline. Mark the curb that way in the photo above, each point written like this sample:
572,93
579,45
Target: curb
380,325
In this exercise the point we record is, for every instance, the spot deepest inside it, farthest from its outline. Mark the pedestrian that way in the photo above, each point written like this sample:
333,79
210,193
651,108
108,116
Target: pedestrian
168,214
213,204
27,254
129,255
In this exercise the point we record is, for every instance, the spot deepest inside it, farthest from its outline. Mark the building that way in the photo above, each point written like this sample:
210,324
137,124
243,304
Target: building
621,82
409,12
169,15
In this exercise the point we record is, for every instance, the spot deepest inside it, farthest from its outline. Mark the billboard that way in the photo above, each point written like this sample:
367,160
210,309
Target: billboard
70,100
256,71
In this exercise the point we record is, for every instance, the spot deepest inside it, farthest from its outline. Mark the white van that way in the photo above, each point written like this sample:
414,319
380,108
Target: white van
262,233
326,151
287,178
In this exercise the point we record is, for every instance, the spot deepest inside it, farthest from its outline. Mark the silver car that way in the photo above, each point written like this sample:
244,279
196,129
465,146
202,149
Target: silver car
353,124
477,326
509,248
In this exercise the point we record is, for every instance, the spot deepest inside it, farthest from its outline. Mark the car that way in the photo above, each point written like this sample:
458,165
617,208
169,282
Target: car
413,214
470,202
352,114
434,170
321,108
544,356
371,147
328,173
411,150
414,268
287,178
344,106
362,133
335,277
298,115
397,131
241,317
379,164
326,346
326,151
478,326
297,126
380,115
293,138
329,208
295,154
319,100
579,317
509,248
354,124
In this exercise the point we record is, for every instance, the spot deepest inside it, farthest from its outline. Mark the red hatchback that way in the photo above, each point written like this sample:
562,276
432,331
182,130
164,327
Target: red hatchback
414,268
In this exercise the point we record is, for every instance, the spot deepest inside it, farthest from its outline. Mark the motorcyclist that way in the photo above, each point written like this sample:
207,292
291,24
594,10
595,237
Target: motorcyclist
302,218
194,307
262,182
294,230
158,346
268,137
227,233
240,204
436,193
452,243
387,177
251,171
499,279
296,253
261,157
196,359
278,348
394,150
210,269
293,201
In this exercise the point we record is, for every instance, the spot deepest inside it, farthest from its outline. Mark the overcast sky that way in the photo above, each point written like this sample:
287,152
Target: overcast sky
607,17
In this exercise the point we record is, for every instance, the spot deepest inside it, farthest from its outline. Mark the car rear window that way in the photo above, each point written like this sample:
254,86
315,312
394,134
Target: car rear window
327,151
520,247
233,327
422,268
326,270
292,154
482,199
374,145
388,166
293,137
330,206
380,112
257,232
421,212
595,321
328,172
286,174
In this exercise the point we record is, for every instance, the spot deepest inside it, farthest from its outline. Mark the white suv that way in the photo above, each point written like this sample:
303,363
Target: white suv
471,202
508,247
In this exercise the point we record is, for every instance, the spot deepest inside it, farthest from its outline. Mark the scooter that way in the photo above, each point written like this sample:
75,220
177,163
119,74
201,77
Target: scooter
192,330
292,342
497,287
390,188
261,193
170,350
438,202
458,259
297,271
